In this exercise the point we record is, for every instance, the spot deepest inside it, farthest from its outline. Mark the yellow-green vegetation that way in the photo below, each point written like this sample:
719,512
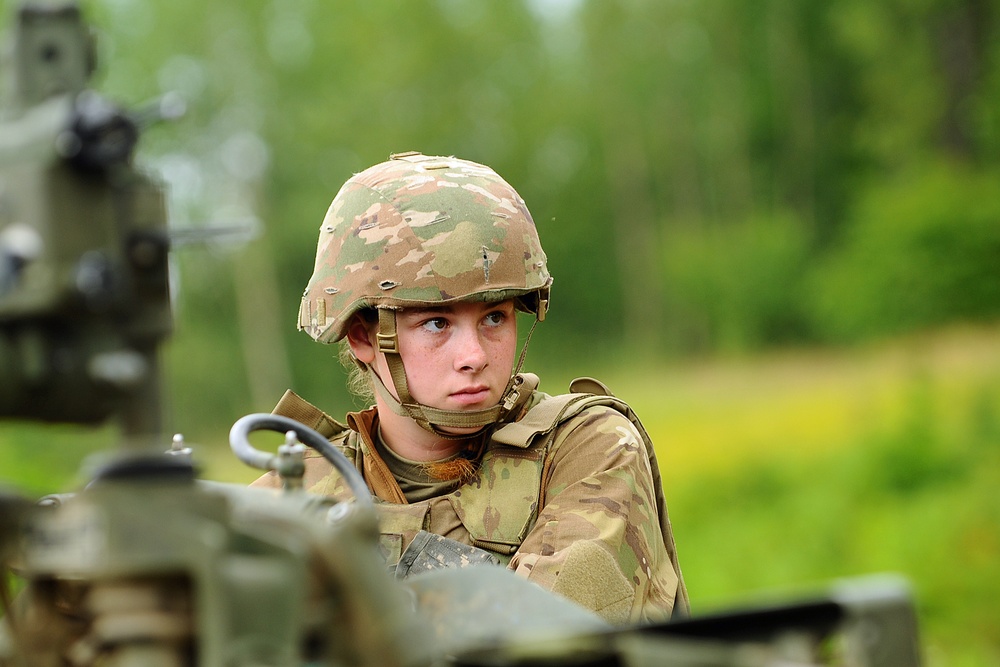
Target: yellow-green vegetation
783,473
787,472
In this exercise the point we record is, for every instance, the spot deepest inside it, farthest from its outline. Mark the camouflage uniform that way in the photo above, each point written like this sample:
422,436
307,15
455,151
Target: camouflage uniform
575,505
575,510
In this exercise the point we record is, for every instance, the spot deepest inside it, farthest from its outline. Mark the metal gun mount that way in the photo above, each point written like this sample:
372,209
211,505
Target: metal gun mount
84,299
149,566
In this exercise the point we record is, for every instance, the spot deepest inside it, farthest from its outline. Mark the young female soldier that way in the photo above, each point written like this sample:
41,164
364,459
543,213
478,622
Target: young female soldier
421,265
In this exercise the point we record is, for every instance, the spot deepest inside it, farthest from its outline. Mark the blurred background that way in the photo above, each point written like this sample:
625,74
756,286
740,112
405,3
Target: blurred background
774,228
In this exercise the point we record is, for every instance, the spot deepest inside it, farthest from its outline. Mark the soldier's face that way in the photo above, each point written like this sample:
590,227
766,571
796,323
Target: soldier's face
458,356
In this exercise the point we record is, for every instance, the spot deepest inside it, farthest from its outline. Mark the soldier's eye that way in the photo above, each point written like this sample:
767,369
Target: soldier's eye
495,318
435,324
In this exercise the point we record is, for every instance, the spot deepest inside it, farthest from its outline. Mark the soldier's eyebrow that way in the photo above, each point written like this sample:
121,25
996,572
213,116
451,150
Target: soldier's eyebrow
447,309
429,309
426,310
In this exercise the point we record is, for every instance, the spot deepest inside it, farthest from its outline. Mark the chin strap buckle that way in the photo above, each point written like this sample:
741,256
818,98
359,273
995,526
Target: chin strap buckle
387,343
522,385
512,397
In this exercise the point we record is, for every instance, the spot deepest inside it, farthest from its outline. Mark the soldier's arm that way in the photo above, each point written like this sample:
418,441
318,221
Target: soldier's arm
597,540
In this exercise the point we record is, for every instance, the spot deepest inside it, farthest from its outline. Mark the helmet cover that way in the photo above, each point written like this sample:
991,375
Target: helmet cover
420,231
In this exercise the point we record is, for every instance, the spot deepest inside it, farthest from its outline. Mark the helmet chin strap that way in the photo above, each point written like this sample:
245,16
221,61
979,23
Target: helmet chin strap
515,394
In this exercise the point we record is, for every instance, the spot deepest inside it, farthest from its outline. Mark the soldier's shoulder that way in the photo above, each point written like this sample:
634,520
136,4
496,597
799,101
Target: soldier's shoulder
571,410
293,406
595,418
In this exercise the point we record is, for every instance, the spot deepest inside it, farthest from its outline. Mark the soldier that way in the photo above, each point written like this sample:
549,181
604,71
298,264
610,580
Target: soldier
421,266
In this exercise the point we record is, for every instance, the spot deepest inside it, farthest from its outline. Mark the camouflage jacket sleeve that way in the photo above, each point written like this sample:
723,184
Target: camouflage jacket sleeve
597,539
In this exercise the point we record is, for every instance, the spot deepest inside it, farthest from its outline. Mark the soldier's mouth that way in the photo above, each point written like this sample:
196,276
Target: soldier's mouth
471,395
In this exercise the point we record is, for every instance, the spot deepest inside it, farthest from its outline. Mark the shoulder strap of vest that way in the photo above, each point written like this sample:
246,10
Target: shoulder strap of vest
553,410
585,392
295,407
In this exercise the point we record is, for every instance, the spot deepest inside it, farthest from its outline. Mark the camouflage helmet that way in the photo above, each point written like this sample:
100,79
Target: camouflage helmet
421,230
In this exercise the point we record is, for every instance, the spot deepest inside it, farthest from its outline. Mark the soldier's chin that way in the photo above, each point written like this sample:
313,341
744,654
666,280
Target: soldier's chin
459,430
462,430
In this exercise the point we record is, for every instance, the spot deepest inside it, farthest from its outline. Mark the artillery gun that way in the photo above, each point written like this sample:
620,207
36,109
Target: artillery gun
148,565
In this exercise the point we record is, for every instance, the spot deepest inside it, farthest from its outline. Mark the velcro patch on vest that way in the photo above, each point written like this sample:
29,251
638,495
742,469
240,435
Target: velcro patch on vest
499,506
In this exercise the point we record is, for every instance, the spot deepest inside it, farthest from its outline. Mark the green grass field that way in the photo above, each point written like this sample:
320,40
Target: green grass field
786,473
783,473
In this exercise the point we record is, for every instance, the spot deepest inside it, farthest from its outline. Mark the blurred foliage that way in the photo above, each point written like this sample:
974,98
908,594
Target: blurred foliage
733,290
911,499
706,177
919,252
690,165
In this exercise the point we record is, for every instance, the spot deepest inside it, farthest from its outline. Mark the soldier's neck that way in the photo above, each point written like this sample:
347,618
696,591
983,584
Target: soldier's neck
409,440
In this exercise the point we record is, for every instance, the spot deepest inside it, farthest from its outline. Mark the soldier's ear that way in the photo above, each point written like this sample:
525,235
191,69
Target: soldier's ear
359,337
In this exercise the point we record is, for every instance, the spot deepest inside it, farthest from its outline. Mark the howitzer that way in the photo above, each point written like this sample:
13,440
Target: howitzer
147,565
